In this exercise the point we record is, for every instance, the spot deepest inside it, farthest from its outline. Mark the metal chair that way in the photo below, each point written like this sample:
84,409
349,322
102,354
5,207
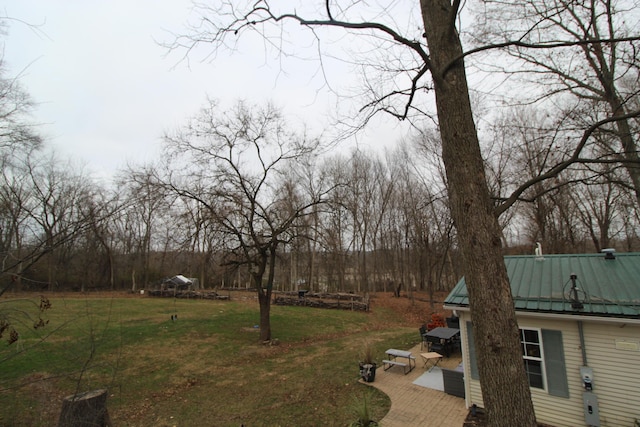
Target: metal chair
423,338
453,322
439,346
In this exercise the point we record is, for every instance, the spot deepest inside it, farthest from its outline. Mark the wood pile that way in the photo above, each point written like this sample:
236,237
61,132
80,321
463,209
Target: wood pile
187,294
339,301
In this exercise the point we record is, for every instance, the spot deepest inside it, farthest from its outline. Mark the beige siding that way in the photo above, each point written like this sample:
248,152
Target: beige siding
554,410
472,387
616,373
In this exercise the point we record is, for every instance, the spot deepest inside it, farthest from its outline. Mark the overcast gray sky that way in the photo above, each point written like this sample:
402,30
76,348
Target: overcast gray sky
106,90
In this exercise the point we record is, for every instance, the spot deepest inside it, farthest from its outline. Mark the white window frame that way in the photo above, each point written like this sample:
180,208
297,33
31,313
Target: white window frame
540,359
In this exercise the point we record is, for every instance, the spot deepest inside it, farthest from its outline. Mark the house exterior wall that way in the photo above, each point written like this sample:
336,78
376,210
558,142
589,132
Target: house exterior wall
473,394
616,372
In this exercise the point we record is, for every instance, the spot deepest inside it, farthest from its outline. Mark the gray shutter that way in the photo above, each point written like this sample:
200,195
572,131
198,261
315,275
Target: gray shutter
473,362
554,363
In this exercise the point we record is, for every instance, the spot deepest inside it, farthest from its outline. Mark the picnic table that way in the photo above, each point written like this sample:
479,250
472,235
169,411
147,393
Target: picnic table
393,354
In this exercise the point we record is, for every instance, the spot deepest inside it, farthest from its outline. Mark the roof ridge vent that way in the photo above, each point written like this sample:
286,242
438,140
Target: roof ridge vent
538,251
609,253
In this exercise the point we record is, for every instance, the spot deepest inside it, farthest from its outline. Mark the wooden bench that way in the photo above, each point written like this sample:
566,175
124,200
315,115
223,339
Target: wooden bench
392,360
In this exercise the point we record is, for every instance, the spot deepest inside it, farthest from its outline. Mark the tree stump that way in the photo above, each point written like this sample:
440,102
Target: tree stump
88,409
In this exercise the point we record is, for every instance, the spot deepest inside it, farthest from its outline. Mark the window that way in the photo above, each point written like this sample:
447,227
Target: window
532,355
547,358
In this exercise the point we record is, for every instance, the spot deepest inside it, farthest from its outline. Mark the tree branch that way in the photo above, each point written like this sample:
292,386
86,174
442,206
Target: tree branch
558,168
545,45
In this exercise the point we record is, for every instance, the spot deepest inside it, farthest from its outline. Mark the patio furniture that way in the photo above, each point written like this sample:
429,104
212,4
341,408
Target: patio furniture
392,361
453,322
443,340
423,338
431,358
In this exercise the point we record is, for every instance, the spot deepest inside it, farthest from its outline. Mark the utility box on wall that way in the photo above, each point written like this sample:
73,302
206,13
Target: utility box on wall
587,377
591,412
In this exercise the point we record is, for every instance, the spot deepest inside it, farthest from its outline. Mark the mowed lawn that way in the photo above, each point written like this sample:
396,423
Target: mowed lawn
207,368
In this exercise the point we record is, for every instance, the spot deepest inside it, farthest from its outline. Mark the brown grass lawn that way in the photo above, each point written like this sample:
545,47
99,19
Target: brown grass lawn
206,369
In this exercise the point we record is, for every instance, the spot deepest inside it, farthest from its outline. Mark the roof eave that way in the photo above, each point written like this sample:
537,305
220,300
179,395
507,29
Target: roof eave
599,317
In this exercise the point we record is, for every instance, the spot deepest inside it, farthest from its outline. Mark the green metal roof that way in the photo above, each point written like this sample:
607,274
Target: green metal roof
606,287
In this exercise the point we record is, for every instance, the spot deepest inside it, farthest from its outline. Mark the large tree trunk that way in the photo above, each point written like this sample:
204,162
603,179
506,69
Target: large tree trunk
112,280
505,387
264,293
133,280
264,300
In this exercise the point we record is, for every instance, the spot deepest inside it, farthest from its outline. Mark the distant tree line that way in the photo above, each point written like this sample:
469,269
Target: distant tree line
240,195
377,220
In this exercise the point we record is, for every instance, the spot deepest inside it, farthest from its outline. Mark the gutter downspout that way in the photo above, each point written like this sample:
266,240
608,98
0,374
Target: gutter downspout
582,345
589,399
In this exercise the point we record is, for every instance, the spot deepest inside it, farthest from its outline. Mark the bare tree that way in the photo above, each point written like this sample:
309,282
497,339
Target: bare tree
19,141
230,161
334,235
505,387
47,210
598,41
630,218
144,203
100,211
599,207
298,184
527,143
505,390
195,233
15,203
368,192
423,219
17,132
58,193
377,36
